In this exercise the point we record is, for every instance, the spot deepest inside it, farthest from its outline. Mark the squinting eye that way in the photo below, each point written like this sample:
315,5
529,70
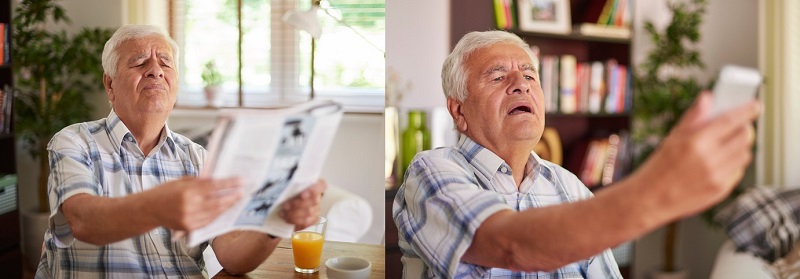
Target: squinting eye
529,78
498,78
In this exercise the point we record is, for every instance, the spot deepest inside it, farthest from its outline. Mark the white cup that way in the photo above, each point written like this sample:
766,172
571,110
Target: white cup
348,268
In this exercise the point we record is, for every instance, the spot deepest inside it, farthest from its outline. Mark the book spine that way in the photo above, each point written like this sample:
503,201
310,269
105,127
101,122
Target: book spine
596,87
555,93
3,43
606,13
568,84
499,14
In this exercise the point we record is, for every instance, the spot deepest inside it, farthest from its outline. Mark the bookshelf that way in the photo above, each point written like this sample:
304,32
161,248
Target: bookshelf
10,254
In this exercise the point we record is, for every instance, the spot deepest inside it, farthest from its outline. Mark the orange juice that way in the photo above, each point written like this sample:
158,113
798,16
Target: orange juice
307,249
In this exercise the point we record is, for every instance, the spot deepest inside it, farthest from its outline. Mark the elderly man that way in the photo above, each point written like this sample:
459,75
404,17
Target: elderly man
120,186
490,207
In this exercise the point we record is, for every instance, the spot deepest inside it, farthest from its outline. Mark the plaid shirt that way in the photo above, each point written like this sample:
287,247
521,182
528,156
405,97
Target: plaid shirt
102,158
449,192
763,221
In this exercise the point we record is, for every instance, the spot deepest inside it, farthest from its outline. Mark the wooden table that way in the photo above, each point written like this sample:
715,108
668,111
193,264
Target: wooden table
281,263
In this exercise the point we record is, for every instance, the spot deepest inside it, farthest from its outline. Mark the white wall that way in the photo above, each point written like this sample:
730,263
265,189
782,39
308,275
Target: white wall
417,41
355,163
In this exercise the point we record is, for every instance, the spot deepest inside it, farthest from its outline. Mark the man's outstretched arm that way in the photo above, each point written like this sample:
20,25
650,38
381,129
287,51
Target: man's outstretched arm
184,205
694,168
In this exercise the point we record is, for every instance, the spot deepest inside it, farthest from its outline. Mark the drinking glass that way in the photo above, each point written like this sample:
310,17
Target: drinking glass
307,247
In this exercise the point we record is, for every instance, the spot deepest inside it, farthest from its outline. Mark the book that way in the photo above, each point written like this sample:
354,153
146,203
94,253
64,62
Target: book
3,44
2,111
612,85
596,87
568,84
6,108
499,14
277,152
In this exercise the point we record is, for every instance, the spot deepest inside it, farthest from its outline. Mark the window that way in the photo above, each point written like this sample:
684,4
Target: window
272,65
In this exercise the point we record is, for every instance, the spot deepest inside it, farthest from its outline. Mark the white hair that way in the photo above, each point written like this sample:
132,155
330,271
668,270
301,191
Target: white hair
454,72
110,56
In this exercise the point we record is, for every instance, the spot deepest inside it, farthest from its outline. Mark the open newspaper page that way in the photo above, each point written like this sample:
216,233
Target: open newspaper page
278,153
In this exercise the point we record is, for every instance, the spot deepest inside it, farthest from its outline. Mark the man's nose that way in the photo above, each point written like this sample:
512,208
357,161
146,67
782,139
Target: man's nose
154,69
519,84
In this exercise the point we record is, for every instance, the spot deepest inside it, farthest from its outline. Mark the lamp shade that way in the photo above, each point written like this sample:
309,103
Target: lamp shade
305,20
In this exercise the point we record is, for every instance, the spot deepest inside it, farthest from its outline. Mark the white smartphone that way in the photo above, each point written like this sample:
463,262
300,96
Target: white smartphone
736,86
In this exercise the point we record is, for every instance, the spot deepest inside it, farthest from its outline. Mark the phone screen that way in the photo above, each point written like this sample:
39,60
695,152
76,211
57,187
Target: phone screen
736,86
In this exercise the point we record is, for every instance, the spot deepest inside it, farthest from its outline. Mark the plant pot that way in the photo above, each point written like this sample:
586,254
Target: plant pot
212,96
680,274
34,225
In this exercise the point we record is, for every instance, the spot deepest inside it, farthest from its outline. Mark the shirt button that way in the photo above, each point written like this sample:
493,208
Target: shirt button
503,169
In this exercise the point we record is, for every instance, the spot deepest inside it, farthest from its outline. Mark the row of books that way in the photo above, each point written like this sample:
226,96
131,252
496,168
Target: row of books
586,87
5,47
611,18
5,110
505,14
602,161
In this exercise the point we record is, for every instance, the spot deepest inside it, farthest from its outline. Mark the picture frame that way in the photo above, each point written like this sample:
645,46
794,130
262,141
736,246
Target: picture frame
545,16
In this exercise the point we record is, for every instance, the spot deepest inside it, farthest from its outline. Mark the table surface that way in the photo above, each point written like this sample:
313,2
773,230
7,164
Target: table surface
281,263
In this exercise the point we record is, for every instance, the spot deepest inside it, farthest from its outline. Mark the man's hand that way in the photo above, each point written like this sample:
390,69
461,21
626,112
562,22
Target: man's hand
185,204
303,210
703,158
191,203
240,252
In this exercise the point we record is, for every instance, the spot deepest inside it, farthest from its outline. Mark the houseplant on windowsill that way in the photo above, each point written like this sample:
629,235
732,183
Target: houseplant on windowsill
211,82
53,71
665,89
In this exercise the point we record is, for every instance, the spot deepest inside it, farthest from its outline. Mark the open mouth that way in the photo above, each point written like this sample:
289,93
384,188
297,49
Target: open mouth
520,109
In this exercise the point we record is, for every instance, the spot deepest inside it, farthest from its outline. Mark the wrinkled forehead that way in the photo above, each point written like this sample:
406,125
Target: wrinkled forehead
497,56
144,46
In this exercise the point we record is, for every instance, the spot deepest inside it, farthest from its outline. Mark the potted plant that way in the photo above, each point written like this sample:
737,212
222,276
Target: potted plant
665,89
52,72
211,81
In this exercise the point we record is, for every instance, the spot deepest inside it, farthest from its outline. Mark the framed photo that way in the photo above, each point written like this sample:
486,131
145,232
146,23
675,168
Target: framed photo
547,16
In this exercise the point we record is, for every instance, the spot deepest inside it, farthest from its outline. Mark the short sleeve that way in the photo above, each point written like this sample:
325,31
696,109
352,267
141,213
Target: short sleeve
70,174
438,210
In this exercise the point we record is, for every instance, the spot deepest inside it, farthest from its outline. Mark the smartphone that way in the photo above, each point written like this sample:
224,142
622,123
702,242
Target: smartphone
735,86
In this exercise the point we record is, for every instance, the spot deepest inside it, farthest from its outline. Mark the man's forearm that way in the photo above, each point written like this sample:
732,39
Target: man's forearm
240,252
103,220
543,239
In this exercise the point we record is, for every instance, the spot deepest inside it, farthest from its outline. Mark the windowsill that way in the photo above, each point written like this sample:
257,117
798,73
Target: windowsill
371,103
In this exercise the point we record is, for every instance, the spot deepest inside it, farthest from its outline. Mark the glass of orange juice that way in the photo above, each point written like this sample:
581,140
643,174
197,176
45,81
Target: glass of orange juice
307,247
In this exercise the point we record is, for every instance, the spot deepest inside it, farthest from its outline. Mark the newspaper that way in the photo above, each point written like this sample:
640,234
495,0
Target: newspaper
277,152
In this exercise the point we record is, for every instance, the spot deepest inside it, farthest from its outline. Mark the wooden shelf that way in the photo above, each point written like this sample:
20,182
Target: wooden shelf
575,35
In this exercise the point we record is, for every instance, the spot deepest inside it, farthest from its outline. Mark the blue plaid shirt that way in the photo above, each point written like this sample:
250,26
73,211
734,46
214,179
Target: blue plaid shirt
102,158
449,192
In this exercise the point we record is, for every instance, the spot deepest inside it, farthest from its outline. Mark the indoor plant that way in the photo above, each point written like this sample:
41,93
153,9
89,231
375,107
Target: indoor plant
211,81
665,89
52,72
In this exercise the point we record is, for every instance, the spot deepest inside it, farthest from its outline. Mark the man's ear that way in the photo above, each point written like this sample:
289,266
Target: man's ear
454,107
107,84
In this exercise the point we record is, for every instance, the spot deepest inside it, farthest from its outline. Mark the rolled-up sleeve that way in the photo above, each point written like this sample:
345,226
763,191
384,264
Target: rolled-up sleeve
438,210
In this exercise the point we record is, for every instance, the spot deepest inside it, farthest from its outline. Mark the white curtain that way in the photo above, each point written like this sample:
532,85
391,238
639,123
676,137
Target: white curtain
778,147
153,12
